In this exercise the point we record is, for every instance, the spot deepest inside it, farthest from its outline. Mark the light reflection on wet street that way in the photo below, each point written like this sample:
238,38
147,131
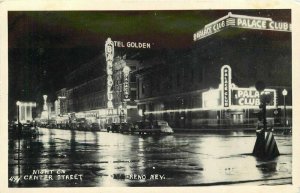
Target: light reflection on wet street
79,158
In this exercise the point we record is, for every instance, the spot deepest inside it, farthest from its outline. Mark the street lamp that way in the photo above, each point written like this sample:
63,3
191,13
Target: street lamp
18,106
284,93
18,103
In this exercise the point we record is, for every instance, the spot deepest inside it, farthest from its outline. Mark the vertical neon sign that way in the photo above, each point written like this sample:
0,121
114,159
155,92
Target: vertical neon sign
126,71
109,54
226,86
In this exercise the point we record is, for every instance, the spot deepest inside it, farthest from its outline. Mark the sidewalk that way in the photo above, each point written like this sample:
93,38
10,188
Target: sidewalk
210,128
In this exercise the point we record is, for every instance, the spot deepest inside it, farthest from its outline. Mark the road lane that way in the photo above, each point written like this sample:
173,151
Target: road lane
113,159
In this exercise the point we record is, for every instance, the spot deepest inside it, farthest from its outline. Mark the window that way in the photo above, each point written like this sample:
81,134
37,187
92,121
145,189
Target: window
143,88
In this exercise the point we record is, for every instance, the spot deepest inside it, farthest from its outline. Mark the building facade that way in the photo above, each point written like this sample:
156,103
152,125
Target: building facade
85,95
175,86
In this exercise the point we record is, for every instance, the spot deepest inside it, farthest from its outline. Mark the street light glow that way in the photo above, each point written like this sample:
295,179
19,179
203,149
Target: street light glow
126,70
284,92
140,112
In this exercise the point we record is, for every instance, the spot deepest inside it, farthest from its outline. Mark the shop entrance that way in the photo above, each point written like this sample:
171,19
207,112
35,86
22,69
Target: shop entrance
237,118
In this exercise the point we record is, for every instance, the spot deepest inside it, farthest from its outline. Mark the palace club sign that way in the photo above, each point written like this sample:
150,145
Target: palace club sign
241,21
226,85
229,96
251,97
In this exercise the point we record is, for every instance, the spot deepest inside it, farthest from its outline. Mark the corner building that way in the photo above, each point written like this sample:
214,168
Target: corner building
171,86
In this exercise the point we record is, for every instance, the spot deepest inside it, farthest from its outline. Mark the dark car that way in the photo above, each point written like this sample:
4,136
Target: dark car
29,130
127,128
114,127
156,127
95,127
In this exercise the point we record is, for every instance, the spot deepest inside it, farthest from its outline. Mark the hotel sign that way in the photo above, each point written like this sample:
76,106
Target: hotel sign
121,44
226,85
109,54
241,21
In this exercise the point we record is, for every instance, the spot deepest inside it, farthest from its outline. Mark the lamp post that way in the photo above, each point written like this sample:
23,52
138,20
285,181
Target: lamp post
18,106
18,118
19,135
284,93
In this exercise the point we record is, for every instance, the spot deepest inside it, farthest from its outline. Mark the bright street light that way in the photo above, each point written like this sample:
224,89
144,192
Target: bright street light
284,93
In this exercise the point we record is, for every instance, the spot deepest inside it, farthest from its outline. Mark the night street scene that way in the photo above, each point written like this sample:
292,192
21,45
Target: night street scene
149,98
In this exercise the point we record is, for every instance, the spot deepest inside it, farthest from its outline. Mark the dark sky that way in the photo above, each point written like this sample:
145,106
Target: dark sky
46,45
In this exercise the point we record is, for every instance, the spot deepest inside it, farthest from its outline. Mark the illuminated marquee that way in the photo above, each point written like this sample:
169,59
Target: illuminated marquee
25,111
230,96
241,21
249,97
211,98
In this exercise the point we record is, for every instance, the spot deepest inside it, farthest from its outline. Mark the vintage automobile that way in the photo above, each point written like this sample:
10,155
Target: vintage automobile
164,127
114,127
29,130
95,127
155,127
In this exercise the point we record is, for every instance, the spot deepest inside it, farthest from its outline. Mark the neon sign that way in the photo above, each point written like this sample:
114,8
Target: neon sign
226,85
126,71
109,54
251,97
241,21
262,24
211,28
121,44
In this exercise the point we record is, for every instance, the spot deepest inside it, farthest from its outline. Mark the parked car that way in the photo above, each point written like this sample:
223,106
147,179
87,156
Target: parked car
127,128
156,127
164,127
95,127
29,130
114,128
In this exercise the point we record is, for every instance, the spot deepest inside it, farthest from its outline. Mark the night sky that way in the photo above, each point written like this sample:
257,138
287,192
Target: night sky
44,46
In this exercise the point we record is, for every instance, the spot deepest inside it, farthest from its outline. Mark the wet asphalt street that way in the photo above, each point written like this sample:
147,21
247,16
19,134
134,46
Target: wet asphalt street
63,158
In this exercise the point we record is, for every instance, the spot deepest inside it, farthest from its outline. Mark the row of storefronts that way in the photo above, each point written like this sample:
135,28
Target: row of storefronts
211,83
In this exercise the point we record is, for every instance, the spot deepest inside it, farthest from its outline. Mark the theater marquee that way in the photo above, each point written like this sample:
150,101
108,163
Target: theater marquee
249,97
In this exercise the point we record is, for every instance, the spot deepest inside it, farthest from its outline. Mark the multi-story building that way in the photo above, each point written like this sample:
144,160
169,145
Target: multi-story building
62,108
174,85
85,95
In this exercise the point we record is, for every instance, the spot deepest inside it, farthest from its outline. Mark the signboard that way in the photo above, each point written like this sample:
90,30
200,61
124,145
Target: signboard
226,85
109,54
262,24
250,97
211,28
241,21
211,99
126,89
121,44
126,86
